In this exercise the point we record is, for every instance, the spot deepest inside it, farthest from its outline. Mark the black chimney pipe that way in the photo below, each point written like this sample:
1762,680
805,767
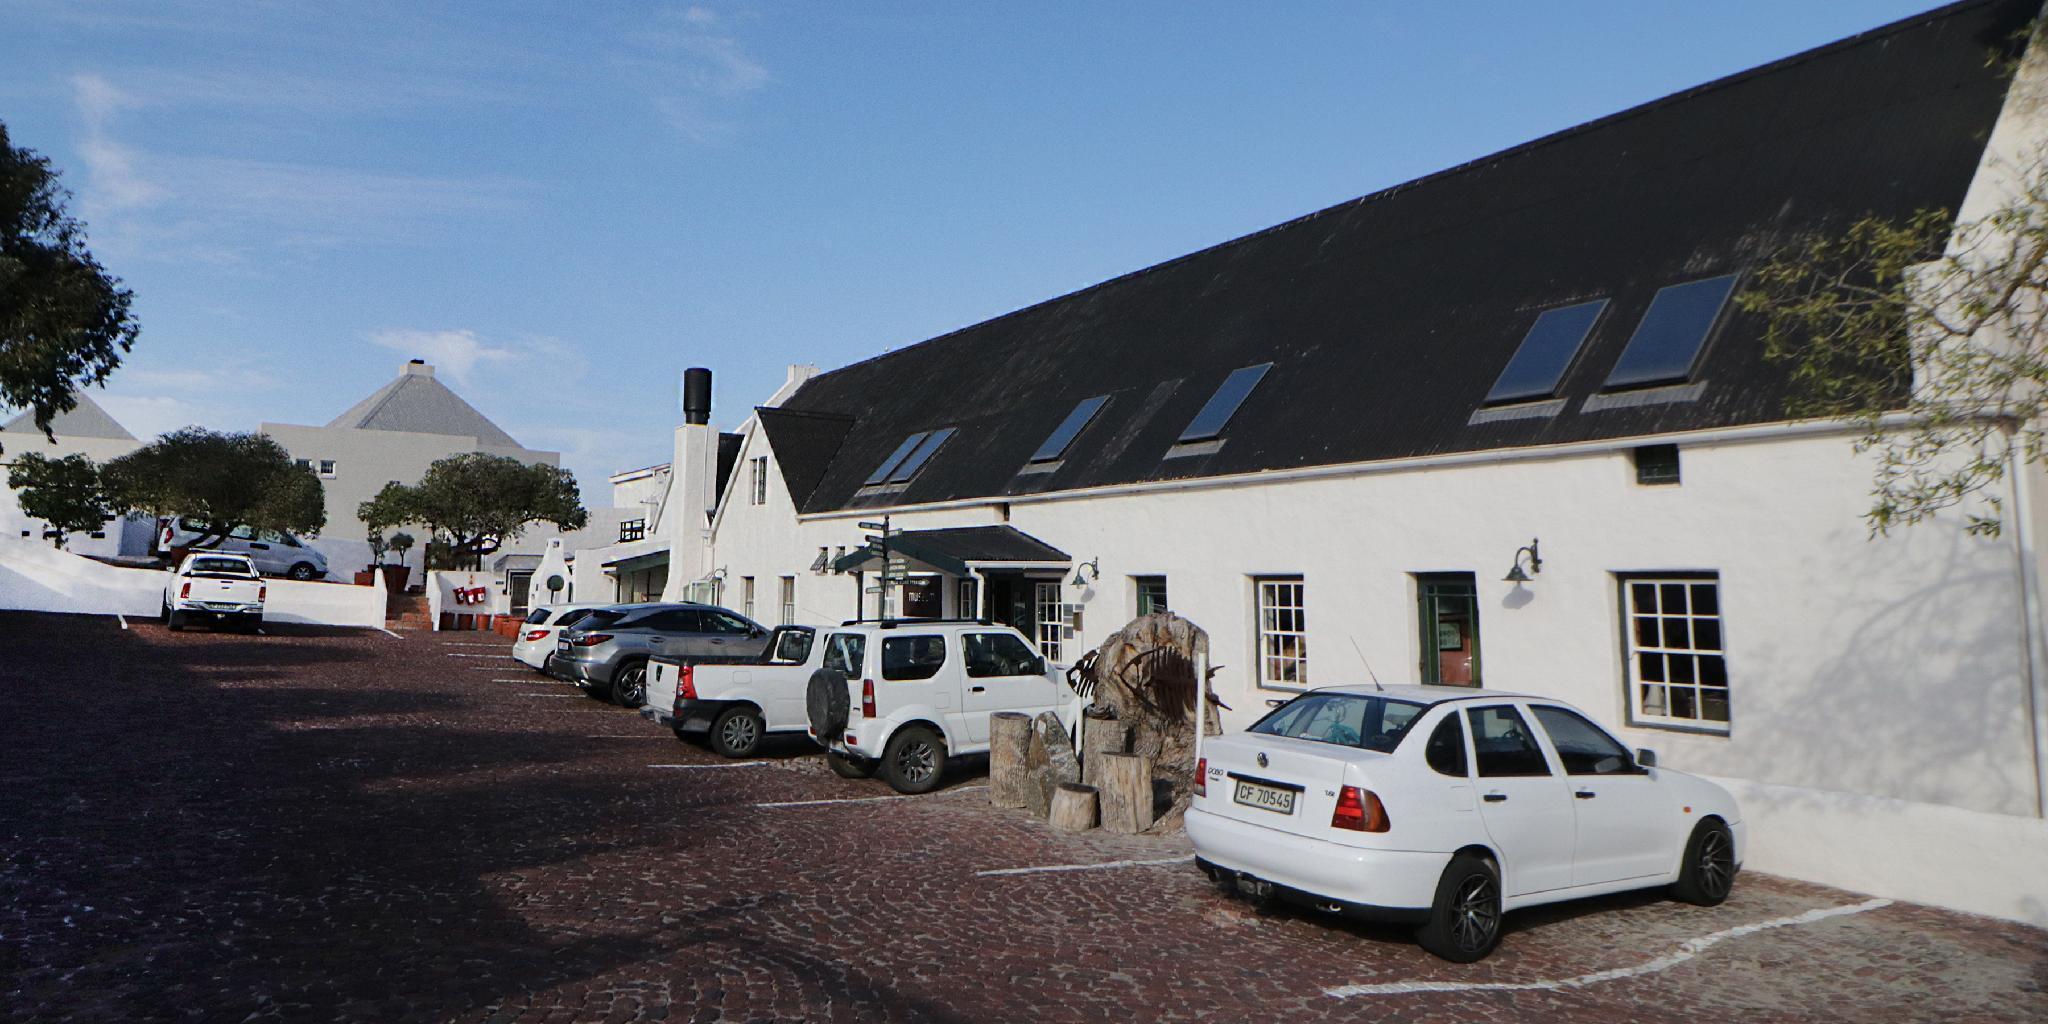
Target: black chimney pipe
697,396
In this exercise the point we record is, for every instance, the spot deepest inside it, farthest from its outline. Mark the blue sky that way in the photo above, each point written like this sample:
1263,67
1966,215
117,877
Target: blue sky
563,205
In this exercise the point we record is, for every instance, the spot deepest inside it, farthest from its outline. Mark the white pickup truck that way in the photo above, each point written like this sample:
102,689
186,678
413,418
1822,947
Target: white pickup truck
220,588
741,702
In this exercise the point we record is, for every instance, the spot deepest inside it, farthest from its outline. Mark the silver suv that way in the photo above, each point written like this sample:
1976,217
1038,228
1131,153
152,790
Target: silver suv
606,651
275,554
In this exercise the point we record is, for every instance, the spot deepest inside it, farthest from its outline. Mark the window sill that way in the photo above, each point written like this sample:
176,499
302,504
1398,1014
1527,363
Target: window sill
1677,725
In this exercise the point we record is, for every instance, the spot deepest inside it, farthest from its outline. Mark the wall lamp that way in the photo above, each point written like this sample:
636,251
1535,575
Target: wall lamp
1088,570
1515,573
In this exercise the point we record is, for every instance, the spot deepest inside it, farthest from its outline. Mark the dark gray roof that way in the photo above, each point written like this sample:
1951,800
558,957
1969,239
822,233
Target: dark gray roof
953,548
417,403
87,419
515,563
1388,318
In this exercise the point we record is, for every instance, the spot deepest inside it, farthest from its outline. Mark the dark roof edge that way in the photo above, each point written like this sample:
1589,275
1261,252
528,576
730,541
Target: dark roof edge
1782,63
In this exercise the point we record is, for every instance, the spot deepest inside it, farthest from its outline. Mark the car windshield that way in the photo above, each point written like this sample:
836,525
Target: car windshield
219,567
1346,719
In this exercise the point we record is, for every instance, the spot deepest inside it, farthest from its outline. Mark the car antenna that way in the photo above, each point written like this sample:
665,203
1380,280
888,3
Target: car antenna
1368,665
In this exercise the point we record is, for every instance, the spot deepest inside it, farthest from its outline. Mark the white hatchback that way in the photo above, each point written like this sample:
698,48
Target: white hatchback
536,638
1445,807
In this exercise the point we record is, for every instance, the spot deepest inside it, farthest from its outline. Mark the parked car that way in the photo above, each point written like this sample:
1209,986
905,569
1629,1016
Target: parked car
1446,807
222,589
536,637
904,696
606,653
738,703
275,553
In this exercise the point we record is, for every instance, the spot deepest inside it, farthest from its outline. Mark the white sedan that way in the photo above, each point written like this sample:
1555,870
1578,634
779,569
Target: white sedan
1445,807
536,639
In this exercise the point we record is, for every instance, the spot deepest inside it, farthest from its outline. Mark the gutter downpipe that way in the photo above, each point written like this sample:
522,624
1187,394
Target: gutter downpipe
2035,659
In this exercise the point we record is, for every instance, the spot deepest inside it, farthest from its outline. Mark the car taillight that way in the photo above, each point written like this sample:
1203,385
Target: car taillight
1202,776
686,689
186,590
867,698
590,639
1359,810
536,634
262,592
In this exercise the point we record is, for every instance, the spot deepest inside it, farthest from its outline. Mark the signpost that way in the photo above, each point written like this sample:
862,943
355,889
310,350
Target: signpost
894,570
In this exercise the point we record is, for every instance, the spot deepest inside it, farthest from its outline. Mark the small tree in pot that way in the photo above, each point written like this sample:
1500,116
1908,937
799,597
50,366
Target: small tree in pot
401,542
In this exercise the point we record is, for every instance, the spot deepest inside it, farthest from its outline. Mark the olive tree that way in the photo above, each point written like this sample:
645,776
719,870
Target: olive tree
63,492
477,502
225,479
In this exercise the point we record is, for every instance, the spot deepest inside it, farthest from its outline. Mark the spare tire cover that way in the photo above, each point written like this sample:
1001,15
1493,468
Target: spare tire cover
827,703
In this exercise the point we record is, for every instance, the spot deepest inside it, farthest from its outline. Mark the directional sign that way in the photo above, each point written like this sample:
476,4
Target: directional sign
873,526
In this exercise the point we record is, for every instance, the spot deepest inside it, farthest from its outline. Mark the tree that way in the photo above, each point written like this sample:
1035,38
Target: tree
401,542
479,502
64,322
1932,337
66,493
224,479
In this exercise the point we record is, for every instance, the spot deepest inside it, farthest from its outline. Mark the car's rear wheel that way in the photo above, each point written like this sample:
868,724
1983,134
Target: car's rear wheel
163,613
1708,874
629,687
914,761
1464,920
175,620
849,767
303,571
737,732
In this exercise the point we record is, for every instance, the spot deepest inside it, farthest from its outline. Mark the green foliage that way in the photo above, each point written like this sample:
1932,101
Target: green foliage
478,502
64,322
225,479
1934,339
66,492
401,542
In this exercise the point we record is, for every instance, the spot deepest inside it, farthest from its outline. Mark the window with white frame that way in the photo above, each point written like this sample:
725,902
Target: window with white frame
327,468
1677,668
760,491
1052,622
968,605
788,600
1283,632
747,596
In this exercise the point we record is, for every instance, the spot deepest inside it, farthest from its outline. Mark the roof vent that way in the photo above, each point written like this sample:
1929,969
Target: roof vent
416,368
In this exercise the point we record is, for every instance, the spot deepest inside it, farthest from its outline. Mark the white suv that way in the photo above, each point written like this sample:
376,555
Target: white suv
903,696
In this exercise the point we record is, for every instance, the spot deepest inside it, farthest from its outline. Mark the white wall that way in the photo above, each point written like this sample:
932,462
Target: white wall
37,577
326,604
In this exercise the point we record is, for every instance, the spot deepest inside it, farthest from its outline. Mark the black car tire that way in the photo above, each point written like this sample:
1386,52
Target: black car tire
163,613
1707,875
850,767
629,684
826,702
1465,919
302,572
737,732
175,620
914,761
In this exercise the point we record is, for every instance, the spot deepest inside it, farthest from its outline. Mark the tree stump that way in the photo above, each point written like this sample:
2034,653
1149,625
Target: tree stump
1049,762
1101,736
1073,807
1125,785
1009,742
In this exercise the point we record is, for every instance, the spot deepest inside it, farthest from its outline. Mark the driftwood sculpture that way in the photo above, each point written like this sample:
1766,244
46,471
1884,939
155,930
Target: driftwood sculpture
1143,677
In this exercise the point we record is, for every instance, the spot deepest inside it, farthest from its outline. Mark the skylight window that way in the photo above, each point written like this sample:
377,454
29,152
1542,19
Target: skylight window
1668,341
1063,435
1223,404
921,455
1546,352
895,459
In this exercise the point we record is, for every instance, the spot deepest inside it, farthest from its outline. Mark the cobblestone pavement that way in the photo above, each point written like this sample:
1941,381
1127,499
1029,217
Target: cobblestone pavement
347,825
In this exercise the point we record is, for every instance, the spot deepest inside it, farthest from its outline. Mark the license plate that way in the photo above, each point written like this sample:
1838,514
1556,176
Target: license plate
1265,798
561,645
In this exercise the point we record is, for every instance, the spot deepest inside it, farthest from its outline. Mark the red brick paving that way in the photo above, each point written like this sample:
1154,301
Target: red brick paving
348,826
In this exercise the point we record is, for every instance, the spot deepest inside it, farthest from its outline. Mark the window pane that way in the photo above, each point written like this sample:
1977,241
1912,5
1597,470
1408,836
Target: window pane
1668,340
1672,598
1546,352
1706,599
921,455
1682,702
1063,435
1677,633
1706,634
1581,745
1222,405
895,458
1646,631
1503,744
1714,705
1446,750
1650,668
1713,671
1653,700
1644,595
1681,668
913,657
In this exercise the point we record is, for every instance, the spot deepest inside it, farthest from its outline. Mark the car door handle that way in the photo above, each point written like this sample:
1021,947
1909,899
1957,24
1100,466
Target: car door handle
1585,794
979,689
656,640
1494,798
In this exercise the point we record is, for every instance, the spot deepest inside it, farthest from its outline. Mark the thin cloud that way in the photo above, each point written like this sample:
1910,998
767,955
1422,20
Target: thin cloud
458,353
694,72
113,178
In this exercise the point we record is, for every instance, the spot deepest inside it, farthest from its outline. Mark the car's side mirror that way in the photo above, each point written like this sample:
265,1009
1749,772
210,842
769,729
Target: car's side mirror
1038,667
1274,702
1646,758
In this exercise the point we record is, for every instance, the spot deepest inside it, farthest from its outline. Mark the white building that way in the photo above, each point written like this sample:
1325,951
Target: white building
85,430
1329,442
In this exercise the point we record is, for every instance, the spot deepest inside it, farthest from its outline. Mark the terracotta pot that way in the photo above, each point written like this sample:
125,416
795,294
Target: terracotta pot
395,577
366,577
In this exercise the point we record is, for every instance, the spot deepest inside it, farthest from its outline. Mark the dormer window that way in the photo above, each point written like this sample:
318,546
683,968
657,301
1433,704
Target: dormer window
1667,343
1222,405
1547,351
1062,436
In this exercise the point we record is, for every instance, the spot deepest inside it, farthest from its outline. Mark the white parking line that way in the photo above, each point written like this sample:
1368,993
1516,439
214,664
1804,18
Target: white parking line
862,799
1686,951
562,695
623,736
1084,867
728,764
389,633
479,655
448,643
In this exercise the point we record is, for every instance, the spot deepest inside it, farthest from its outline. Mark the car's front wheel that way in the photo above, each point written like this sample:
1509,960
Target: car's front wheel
849,767
629,687
914,761
737,732
1464,920
303,571
1708,874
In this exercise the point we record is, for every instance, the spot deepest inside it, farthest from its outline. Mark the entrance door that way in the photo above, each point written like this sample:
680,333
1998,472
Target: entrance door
1449,614
521,585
